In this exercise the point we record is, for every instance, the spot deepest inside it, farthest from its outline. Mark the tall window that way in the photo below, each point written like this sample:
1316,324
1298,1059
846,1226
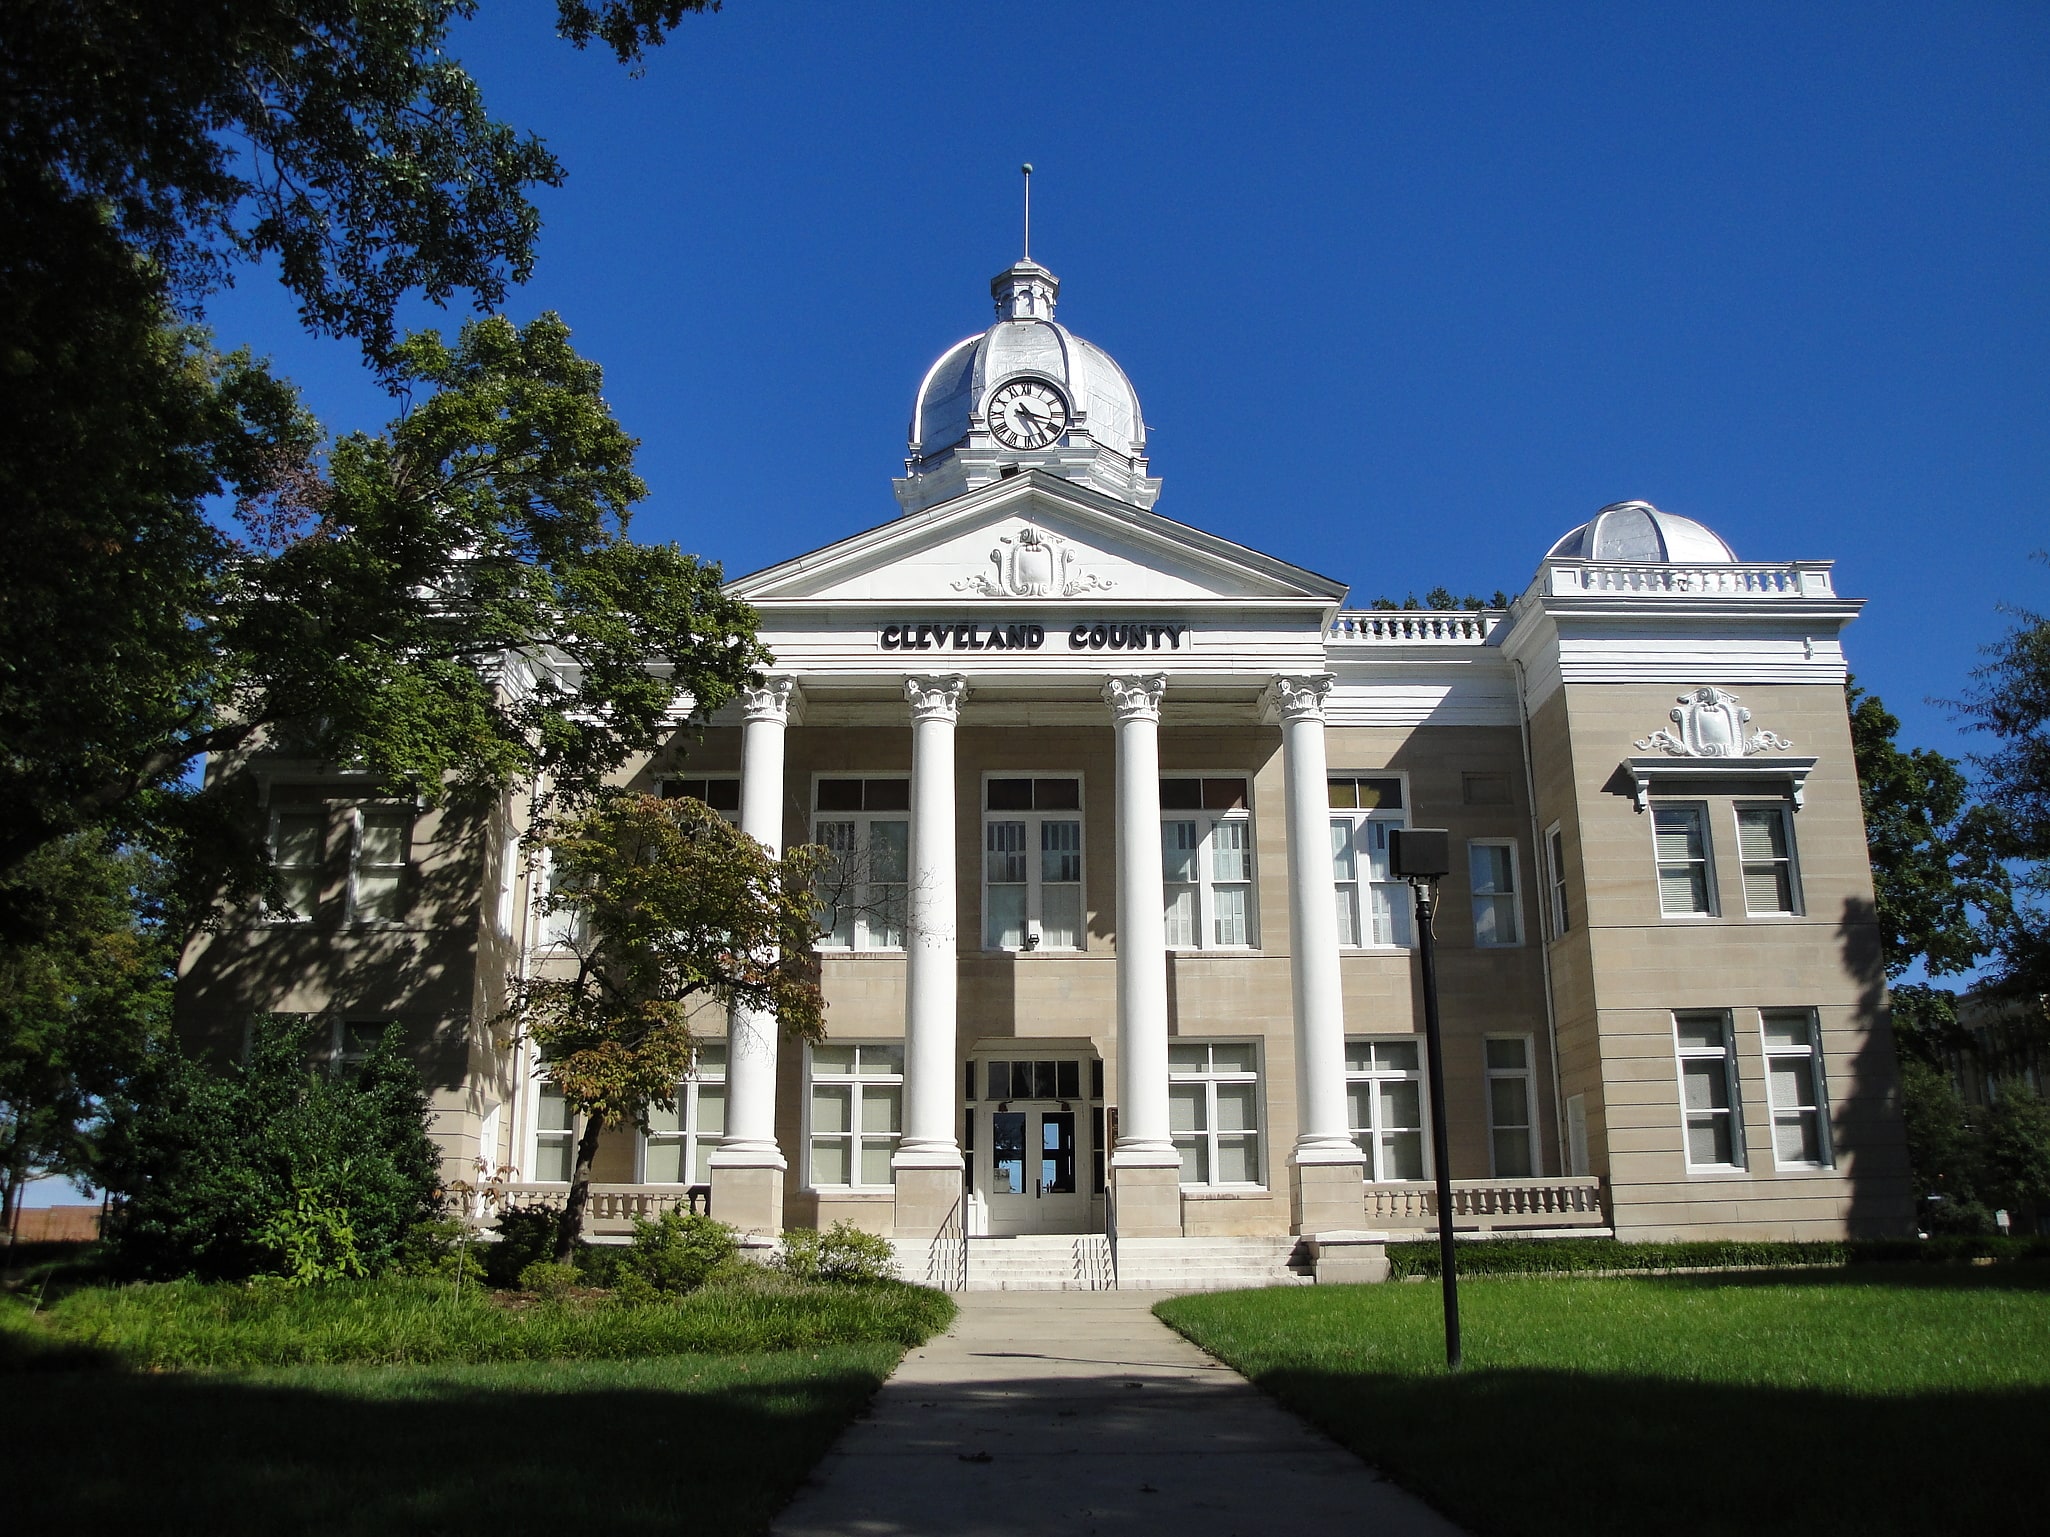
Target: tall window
1497,908
377,867
1794,1085
1373,908
1512,1128
1206,853
1708,1090
865,824
1686,881
555,1136
1385,1103
1765,847
857,1113
682,1132
1555,879
721,794
1032,864
560,927
297,841
1213,1103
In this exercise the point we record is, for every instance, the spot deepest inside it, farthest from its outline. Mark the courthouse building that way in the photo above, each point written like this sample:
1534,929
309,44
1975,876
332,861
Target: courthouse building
1114,942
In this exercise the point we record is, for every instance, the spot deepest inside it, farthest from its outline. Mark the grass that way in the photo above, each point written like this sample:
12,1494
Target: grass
1871,1400
185,1325
390,1407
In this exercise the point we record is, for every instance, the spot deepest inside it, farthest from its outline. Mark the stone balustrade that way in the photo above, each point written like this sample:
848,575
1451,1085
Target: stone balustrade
1799,579
616,1203
1490,1203
1409,627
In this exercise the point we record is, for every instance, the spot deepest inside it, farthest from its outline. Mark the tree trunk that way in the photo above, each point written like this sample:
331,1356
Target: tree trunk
572,1227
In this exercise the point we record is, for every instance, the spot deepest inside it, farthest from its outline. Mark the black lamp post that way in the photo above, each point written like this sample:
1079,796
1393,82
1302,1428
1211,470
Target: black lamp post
1423,856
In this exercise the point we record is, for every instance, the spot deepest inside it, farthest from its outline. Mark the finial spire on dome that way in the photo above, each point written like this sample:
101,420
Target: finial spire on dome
1025,290
1027,169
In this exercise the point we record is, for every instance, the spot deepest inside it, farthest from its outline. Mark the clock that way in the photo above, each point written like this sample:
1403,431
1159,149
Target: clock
1027,414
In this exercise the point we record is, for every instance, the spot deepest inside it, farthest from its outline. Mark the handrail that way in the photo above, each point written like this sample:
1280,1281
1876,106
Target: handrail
1110,1226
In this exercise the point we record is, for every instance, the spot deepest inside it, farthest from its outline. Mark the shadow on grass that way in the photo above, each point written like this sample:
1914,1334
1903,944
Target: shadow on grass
626,1448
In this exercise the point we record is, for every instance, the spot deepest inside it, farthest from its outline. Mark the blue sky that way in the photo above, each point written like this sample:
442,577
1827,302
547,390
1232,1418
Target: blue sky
1406,291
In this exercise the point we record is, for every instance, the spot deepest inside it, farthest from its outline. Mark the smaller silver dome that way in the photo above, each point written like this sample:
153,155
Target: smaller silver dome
1639,531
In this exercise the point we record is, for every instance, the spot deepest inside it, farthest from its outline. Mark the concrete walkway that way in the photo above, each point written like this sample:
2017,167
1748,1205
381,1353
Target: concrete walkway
1080,1412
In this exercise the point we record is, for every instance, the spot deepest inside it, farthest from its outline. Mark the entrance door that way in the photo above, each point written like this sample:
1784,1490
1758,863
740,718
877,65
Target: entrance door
1037,1171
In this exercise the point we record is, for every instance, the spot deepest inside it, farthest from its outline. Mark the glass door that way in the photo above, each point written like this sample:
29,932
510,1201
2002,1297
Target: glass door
1033,1124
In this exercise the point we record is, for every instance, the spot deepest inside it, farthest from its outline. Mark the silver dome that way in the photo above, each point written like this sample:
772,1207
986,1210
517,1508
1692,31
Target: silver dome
1638,531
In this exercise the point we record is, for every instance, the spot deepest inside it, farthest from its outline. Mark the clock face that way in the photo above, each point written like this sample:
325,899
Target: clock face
1027,414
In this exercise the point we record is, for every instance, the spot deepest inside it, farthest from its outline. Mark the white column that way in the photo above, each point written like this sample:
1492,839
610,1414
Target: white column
1322,1136
928,1140
750,1140
1144,1141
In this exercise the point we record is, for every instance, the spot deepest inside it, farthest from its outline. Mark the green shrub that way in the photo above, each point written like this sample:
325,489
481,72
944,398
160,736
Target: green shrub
677,1252
548,1280
523,1234
444,1247
844,1254
218,1168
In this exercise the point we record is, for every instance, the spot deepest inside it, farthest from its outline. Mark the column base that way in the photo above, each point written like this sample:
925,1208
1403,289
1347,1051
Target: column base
929,1203
1349,1259
1149,1200
1326,1197
748,1197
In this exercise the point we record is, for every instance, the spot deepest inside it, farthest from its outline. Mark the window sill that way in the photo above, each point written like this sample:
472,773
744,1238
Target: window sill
1799,1169
1214,950
1224,1192
1039,950
854,1192
1375,949
1717,1171
858,955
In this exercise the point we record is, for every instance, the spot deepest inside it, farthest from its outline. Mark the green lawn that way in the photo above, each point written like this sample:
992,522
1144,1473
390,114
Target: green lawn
164,1408
1879,1399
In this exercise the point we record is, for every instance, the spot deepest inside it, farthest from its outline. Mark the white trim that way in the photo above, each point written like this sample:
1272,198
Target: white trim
1034,857
359,818
1527,1075
1514,894
319,814
1780,809
1699,810
1204,864
1375,1134
1818,1083
1211,1136
690,1136
854,1135
1558,904
1732,1110
1401,928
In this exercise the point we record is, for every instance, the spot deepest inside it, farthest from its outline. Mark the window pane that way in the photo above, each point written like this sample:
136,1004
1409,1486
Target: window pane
1043,1080
1342,867
839,795
299,838
1229,903
552,1158
701,1164
1359,1056
1402,1155
551,1110
663,1164
1232,1057
1006,917
1683,889
882,1061
1237,1107
999,1081
1708,1140
1488,864
875,1163
1238,1160
1224,794
1359,1106
1785,1029
837,1061
1381,794
1181,794
711,1110
377,896
829,1161
1793,1083
882,1109
1402,1107
1508,1103
832,1109
1762,834
1678,832
1345,794
1181,916
1185,1108
1187,1057
1010,795
1056,794
1699,1031
1798,1138
1396,1056
886,794
1060,851
1231,854
1195,1160
1348,914
1512,1154
1494,921
1507,1054
1060,922
889,851
1705,1086
1178,852
1768,889
885,919
1004,859
710,1060
384,839
665,1118
1069,1082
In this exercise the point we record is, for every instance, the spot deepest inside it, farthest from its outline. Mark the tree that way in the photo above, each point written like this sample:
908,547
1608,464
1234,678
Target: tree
2011,703
454,605
1936,875
1441,600
675,910
80,1010
274,1166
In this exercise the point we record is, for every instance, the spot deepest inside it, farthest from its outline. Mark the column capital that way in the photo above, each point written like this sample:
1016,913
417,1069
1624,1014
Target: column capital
775,698
936,698
1136,697
1300,697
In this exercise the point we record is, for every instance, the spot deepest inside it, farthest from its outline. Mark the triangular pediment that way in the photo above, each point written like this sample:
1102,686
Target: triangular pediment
1031,538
